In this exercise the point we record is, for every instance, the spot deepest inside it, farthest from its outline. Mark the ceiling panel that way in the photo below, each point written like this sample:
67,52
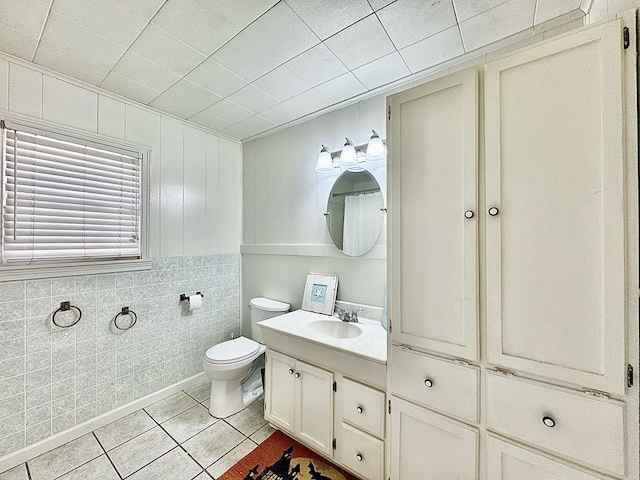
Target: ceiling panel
382,71
361,43
281,33
327,21
243,67
196,24
409,21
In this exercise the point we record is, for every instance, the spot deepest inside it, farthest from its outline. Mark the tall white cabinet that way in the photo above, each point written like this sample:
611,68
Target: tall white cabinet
513,266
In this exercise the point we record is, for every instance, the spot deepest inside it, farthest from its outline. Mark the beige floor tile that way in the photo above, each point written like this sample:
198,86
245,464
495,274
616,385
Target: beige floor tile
188,423
206,403
124,429
65,458
141,450
18,472
174,465
249,420
97,468
200,392
203,476
231,458
211,444
170,406
262,434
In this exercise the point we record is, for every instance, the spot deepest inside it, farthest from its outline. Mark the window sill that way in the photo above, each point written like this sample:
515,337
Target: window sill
30,272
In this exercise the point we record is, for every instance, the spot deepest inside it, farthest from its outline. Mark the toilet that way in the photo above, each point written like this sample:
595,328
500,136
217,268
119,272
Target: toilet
234,366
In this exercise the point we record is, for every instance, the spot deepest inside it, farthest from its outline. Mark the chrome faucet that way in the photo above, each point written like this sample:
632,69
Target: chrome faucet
346,316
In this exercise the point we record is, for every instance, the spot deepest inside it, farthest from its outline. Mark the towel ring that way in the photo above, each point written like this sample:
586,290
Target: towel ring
65,307
125,311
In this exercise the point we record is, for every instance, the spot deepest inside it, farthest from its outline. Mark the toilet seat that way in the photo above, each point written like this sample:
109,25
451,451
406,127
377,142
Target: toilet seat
232,351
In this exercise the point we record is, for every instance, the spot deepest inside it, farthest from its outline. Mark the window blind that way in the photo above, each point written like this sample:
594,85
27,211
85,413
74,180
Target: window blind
65,199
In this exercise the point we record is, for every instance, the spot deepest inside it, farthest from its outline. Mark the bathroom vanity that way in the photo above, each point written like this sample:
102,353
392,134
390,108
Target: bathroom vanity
324,386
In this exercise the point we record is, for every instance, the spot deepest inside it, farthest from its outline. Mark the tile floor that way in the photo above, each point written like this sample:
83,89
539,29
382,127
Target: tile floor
173,439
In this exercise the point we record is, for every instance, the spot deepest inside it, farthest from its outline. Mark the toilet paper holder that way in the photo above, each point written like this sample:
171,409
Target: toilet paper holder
184,297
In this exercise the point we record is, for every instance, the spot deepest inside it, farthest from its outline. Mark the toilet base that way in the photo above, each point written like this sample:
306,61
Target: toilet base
229,397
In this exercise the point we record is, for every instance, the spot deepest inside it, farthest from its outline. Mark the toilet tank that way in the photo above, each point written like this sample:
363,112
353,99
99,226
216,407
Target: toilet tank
261,309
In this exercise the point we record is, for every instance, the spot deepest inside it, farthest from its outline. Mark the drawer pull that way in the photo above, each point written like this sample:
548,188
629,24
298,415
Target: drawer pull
493,211
359,457
297,375
359,409
291,371
548,422
428,383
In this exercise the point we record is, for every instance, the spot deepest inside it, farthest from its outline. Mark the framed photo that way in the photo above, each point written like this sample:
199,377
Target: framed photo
320,293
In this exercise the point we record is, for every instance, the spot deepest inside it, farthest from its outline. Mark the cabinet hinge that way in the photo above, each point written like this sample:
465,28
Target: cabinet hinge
504,371
461,361
402,346
596,393
629,375
625,37
335,386
333,444
391,328
389,112
389,407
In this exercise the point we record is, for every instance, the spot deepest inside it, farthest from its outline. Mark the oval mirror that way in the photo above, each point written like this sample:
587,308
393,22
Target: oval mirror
355,212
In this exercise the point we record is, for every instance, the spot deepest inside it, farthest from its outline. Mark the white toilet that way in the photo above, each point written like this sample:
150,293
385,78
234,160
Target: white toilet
234,366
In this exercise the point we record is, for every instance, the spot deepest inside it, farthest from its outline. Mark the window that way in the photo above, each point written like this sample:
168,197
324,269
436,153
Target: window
68,200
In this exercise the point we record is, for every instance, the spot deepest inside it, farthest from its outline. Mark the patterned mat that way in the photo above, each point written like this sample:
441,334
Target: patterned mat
281,458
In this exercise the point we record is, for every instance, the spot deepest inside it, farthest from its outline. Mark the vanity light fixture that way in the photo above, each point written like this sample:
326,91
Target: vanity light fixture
325,162
348,156
352,157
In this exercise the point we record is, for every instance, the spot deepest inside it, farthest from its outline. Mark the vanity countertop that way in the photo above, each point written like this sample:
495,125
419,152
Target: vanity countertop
371,344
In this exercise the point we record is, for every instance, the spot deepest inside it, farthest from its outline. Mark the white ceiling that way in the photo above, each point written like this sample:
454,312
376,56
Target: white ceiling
242,67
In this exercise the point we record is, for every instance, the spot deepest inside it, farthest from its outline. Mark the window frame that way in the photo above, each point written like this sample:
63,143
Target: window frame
63,268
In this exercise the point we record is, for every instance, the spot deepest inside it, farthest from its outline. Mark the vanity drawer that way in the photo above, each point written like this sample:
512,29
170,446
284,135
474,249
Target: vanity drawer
586,429
439,384
363,407
362,453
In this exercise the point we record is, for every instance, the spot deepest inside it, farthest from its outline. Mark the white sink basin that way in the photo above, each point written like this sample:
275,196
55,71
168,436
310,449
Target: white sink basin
334,329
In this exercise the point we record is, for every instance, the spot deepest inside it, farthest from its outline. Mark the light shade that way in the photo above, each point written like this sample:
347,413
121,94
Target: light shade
324,163
375,149
348,156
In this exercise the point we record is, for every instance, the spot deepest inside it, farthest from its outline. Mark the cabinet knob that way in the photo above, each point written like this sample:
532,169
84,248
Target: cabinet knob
297,375
548,422
291,371
469,214
493,211
428,383
359,409
359,457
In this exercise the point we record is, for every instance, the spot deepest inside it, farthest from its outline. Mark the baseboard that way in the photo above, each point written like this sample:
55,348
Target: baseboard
49,443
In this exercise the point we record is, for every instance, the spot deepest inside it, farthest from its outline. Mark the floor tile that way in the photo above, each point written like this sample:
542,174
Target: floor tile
124,429
203,476
211,444
205,403
170,406
200,392
188,423
231,458
18,472
141,450
249,420
174,465
262,434
97,468
65,458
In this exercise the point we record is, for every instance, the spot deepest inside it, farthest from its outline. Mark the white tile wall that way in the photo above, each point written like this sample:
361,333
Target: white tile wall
52,379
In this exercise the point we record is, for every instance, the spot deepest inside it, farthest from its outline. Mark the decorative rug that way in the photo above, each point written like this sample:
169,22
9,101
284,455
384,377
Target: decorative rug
281,458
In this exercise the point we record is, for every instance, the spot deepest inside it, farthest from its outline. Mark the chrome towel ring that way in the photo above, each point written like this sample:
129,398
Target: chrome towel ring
122,313
65,307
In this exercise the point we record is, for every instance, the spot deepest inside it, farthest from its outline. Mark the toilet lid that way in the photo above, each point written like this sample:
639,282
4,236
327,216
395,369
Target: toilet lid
232,351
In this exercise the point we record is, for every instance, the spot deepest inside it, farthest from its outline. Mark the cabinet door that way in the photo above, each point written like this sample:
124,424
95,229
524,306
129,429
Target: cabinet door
315,414
430,446
433,199
508,462
279,390
555,243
